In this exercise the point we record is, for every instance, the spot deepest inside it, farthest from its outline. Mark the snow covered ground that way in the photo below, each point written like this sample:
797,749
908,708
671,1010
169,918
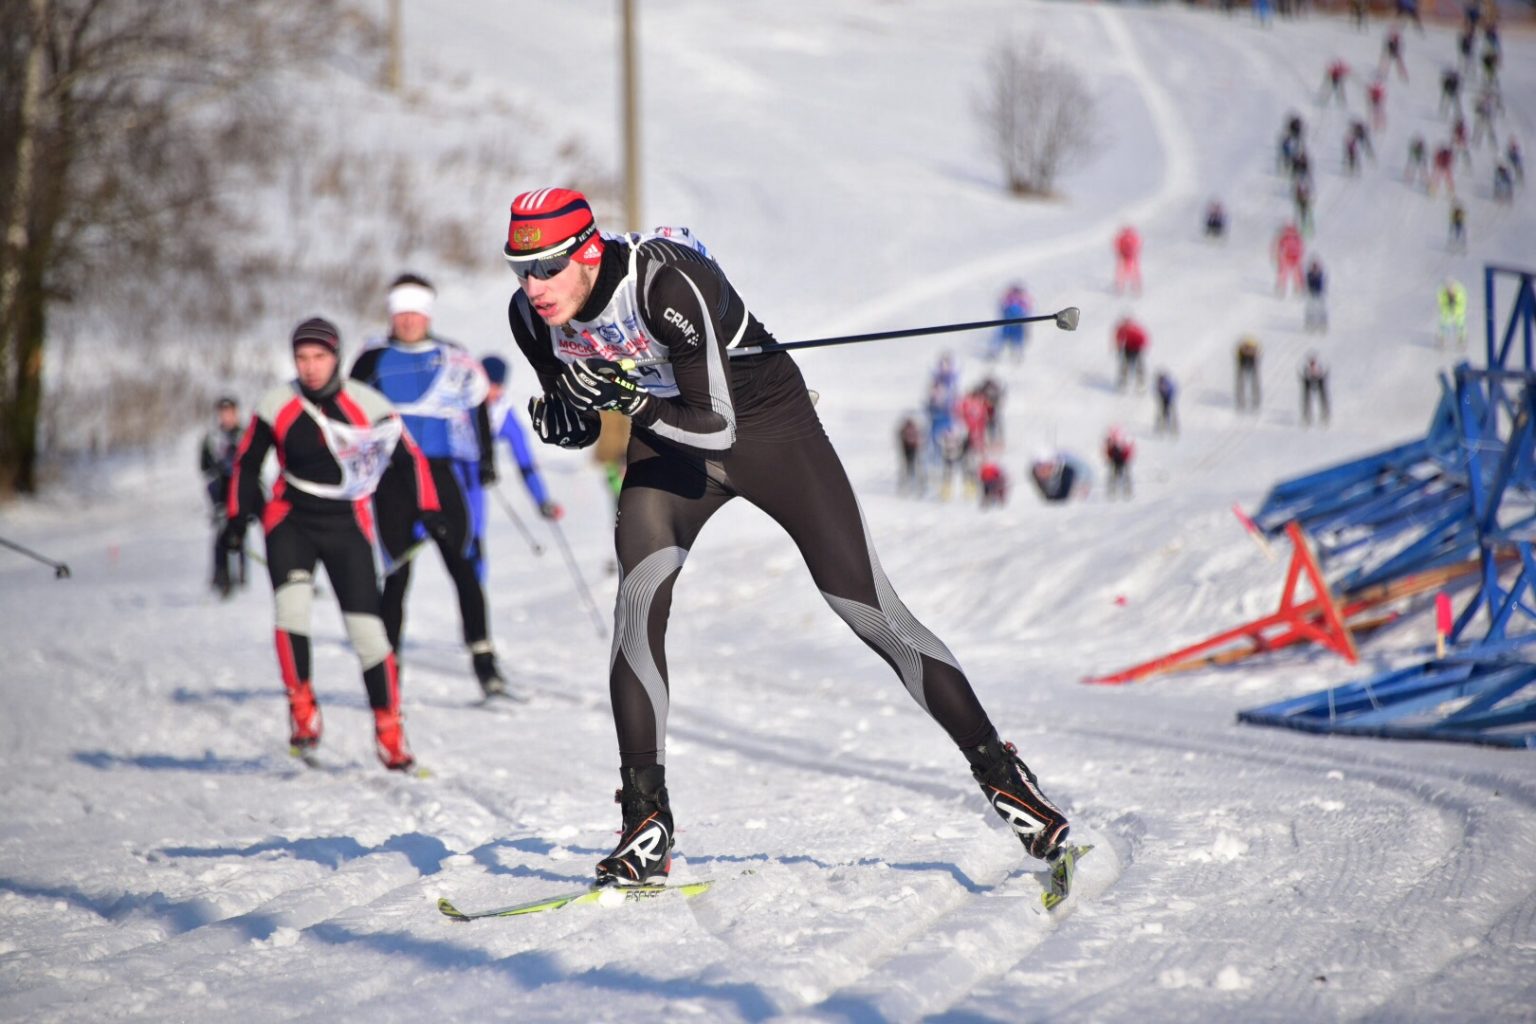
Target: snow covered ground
161,857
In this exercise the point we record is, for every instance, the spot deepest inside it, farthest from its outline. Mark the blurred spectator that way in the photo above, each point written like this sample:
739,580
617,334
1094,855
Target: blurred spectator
1058,475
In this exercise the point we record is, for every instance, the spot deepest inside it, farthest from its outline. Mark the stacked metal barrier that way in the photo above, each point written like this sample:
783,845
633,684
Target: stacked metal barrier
1468,487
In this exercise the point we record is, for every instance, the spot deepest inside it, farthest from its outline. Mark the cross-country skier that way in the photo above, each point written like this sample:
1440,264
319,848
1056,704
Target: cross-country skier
1333,83
1441,169
1288,251
334,440
1451,300
1128,260
1119,450
1450,92
909,443
1314,384
1247,394
1487,107
1130,342
994,483
1392,54
440,391
1418,165
707,429
1215,220
1503,184
216,459
1456,238
1316,316
1167,393
1013,337
1376,99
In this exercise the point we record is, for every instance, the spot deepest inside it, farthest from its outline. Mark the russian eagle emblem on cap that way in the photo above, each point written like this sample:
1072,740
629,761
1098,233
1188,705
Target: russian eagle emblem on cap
526,236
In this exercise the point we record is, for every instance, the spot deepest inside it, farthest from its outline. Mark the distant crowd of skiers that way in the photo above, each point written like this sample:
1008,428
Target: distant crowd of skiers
1430,166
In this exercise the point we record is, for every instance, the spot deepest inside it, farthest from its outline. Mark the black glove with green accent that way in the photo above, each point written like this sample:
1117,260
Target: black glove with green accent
437,525
556,421
232,537
594,384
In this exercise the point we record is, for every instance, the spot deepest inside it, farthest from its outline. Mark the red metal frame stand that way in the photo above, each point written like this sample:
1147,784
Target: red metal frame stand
1318,620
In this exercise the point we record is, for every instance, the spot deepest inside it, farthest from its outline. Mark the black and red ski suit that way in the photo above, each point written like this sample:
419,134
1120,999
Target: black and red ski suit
303,527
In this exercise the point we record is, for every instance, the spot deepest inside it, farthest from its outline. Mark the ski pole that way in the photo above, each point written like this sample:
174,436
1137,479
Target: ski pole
1065,319
60,570
522,528
405,559
581,584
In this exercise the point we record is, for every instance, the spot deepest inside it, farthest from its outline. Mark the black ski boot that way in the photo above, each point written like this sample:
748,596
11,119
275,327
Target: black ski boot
491,683
644,853
1014,793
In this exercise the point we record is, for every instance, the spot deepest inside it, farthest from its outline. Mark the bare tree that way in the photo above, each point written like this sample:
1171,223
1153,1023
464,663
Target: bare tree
131,118
1037,113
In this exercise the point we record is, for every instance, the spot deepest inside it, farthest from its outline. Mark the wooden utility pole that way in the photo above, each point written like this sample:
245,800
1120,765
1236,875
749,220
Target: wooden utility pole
392,71
631,89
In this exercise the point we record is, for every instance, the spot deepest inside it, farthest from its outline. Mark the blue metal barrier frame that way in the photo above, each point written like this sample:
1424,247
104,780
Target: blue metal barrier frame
1490,681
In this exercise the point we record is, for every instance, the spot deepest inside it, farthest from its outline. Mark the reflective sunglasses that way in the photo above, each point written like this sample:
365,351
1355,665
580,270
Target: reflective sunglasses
540,269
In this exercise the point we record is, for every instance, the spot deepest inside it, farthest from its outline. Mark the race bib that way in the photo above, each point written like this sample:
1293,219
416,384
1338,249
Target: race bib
361,452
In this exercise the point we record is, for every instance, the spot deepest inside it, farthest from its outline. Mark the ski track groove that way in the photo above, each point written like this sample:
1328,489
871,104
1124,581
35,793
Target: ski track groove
1407,873
951,939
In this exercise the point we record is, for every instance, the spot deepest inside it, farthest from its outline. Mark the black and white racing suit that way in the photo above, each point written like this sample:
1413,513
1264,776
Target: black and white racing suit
714,429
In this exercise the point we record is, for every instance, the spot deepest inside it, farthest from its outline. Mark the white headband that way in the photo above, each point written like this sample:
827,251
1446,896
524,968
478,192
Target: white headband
411,298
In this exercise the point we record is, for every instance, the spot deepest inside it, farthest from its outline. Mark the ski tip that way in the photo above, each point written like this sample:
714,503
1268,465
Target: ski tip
449,910
1063,868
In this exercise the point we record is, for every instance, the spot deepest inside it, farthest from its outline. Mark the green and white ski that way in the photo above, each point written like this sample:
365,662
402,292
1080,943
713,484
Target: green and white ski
590,894
1063,869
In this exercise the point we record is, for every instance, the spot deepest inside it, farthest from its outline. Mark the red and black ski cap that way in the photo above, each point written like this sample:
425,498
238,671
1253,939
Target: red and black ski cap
318,331
552,222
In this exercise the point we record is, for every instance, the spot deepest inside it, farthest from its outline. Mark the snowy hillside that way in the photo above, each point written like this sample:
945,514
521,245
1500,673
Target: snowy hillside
162,858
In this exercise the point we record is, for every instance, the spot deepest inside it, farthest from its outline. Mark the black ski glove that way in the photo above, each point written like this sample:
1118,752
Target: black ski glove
232,537
436,524
556,421
594,384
